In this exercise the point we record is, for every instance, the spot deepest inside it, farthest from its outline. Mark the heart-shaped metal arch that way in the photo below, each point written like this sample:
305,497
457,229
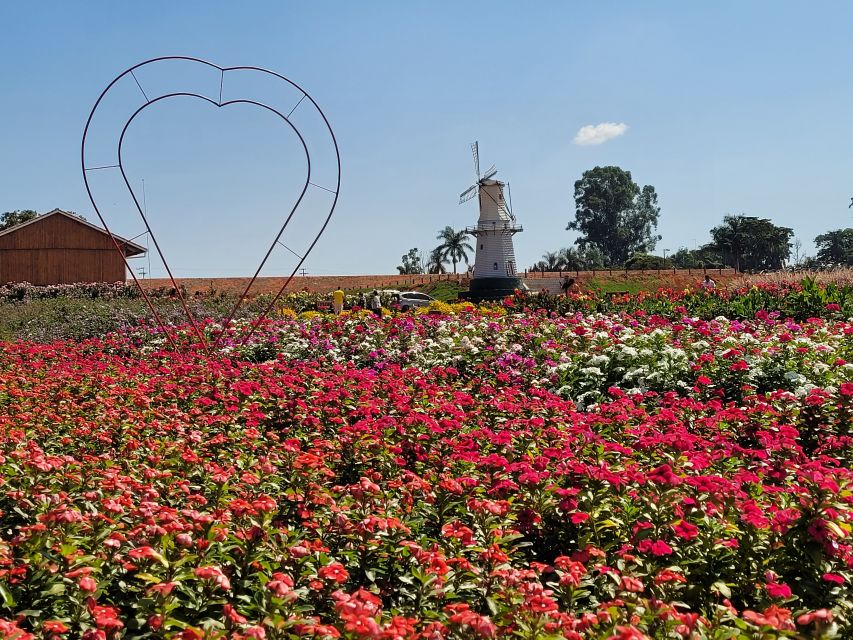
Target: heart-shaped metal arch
217,103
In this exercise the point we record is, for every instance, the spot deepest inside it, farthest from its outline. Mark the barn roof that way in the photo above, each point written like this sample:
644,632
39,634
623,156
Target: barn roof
130,248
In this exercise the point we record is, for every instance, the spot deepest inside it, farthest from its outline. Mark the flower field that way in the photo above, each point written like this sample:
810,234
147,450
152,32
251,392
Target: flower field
565,471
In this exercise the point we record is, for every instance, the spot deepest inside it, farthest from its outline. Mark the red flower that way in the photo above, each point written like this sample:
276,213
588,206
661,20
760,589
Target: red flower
773,616
231,613
632,585
215,574
334,572
579,517
686,530
664,475
54,626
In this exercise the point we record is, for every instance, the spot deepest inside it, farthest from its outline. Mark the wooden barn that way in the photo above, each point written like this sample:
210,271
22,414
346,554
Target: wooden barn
61,248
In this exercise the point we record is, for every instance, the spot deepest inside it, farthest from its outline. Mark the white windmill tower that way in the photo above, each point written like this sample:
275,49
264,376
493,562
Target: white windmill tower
495,274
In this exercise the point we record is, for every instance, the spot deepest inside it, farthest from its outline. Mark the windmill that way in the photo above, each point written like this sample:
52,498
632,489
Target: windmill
495,273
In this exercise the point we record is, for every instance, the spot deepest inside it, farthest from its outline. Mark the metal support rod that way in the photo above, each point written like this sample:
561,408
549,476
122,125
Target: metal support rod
291,250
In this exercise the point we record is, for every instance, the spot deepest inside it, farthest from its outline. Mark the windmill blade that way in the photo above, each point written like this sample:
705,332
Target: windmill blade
490,172
475,149
509,207
469,189
469,193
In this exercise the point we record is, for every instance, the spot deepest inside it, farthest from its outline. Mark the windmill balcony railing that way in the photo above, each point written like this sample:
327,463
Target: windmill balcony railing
494,228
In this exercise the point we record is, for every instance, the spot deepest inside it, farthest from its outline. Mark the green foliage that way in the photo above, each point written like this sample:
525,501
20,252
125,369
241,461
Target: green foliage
444,290
614,215
14,218
748,243
412,264
453,246
640,261
835,248
571,259
435,264
703,258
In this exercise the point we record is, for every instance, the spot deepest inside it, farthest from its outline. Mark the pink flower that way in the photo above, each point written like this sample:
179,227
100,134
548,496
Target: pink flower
686,530
632,585
655,547
87,584
820,615
778,590
215,574
664,475
579,517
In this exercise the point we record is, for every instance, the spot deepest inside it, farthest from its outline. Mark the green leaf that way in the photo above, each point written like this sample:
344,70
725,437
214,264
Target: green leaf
492,605
8,600
55,589
148,578
722,588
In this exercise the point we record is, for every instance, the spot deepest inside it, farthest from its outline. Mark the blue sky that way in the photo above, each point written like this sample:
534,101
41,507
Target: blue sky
730,107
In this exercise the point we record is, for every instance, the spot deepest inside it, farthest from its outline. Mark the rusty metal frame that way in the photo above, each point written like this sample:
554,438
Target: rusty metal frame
206,345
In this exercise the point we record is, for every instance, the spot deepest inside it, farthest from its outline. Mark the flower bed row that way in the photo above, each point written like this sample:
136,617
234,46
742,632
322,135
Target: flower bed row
578,356
481,475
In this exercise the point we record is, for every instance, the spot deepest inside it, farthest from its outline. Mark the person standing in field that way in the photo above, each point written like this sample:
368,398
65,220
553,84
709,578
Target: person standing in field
338,301
570,286
708,283
376,304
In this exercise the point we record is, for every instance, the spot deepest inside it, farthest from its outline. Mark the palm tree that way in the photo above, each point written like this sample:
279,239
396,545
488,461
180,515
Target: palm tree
551,261
453,246
435,264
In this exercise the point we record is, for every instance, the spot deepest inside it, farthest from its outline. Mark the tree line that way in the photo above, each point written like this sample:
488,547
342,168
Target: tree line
617,223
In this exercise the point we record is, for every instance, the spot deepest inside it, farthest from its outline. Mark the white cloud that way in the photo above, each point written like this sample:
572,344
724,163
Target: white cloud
598,133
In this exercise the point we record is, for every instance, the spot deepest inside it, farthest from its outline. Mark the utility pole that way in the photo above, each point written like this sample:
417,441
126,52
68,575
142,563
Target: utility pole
142,271
303,272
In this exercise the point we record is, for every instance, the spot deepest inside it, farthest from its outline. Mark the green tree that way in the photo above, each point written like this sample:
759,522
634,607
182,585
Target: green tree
14,218
550,261
614,215
835,247
412,263
570,259
749,243
640,261
703,257
435,263
453,246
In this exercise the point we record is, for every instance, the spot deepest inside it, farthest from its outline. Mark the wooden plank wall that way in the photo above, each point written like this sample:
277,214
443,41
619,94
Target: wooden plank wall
58,250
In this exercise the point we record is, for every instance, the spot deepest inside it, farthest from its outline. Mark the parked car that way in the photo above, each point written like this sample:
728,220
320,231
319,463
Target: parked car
413,300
